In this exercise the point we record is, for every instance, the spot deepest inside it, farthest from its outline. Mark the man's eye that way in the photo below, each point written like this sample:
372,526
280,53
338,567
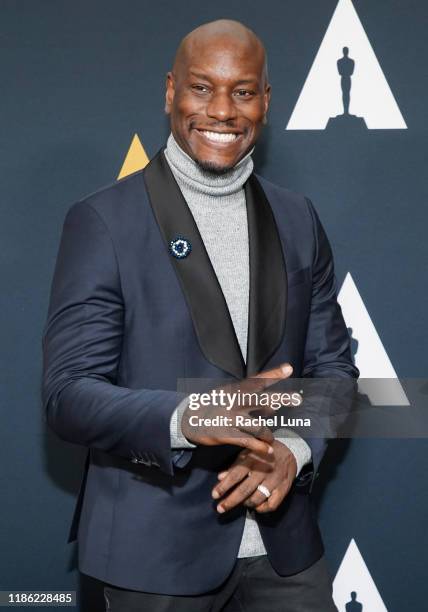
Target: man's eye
201,88
244,93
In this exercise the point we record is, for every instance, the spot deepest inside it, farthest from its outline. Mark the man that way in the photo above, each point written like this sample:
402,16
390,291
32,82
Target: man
195,269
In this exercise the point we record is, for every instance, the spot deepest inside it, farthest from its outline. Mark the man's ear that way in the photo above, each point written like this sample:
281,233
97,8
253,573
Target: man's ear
267,95
169,92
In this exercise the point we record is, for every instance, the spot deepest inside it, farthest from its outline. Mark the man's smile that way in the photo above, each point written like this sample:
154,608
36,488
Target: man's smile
217,96
218,138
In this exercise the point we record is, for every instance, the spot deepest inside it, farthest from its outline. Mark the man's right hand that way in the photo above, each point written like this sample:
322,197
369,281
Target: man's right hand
254,437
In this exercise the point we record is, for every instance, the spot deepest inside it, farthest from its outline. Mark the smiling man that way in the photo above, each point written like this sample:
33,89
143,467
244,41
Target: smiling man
218,94
195,268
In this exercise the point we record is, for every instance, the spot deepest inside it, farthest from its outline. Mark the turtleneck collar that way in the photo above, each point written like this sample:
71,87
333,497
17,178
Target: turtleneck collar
203,181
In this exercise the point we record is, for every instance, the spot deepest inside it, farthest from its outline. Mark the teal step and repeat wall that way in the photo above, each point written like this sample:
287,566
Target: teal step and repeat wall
83,94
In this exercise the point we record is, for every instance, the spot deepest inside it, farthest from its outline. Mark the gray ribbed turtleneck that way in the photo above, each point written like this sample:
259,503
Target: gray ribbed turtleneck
217,203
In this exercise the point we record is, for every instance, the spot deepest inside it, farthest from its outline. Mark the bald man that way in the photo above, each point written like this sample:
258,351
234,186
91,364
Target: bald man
195,268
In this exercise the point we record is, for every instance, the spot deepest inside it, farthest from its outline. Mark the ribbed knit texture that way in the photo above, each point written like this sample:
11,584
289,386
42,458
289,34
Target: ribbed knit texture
217,203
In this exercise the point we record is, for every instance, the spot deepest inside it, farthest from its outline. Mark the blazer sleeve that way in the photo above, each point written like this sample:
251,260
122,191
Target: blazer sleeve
327,349
82,341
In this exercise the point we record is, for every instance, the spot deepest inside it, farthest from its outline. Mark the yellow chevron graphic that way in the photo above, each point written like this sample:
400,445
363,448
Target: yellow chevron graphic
136,158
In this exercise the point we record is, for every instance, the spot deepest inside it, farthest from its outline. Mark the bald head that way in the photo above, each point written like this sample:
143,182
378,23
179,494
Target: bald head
221,33
217,93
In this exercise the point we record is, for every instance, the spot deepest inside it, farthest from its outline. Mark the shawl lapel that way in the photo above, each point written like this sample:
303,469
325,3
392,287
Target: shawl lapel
204,296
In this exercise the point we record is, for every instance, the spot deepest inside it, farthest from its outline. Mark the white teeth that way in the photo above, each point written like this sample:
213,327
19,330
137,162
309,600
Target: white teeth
217,137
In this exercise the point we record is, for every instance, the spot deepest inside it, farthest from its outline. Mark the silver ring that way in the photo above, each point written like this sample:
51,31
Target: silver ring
264,490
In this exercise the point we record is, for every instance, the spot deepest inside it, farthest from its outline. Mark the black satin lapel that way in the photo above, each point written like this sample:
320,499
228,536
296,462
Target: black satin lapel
268,280
208,307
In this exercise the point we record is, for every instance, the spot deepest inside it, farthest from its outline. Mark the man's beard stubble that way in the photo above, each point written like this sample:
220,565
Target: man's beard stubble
213,168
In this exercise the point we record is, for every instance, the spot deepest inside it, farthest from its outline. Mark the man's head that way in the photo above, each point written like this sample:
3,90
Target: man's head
345,51
217,93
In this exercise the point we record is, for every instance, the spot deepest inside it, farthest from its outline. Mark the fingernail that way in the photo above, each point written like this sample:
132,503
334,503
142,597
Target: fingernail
215,494
220,509
286,369
270,450
221,475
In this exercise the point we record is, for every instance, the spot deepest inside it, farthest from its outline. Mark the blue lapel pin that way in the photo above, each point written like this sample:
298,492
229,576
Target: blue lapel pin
180,247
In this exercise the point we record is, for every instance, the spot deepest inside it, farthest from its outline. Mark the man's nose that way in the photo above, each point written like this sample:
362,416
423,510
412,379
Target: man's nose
221,107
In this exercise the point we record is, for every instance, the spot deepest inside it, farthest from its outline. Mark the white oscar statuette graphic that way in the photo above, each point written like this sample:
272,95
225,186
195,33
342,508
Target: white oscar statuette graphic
346,85
354,589
371,357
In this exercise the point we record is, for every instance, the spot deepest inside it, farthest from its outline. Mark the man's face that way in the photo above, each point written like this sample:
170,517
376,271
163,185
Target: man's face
217,99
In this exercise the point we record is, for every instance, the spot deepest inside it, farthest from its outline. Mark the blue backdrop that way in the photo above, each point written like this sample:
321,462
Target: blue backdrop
78,80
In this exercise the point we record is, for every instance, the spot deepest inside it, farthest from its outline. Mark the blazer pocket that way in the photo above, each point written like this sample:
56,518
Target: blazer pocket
296,277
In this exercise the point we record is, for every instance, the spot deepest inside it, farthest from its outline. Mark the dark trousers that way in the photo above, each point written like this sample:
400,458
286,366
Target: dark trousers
253,586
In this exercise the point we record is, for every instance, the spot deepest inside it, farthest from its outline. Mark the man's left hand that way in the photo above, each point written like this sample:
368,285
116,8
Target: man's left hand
239,483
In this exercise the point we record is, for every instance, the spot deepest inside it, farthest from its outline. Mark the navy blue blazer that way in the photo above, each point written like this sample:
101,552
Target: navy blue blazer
126,320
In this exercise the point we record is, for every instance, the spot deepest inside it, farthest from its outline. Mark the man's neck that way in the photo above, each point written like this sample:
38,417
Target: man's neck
189,172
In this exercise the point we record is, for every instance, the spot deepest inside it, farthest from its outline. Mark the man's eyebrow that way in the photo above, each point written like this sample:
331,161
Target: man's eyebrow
200,75
206,77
